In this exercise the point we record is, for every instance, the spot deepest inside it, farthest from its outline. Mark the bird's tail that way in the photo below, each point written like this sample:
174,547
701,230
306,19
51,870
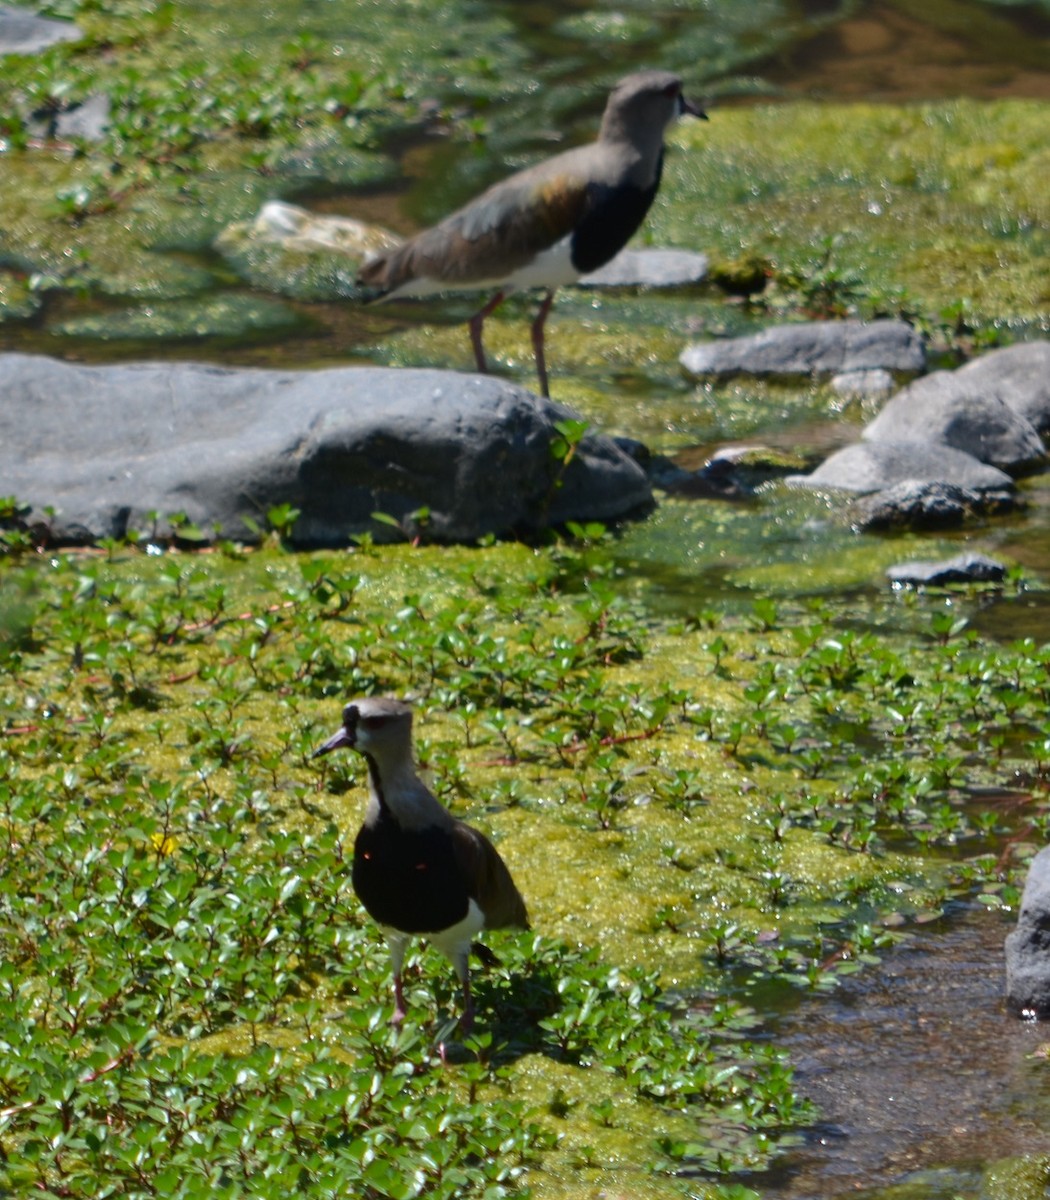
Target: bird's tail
485,955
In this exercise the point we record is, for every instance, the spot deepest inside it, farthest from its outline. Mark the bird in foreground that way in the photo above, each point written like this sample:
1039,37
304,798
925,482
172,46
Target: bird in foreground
550,224
417,870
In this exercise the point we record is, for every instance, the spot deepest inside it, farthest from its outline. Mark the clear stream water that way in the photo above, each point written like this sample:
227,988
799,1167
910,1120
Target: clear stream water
921,1075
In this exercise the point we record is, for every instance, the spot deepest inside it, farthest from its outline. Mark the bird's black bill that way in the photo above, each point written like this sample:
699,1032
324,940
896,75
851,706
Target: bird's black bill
693,110
335,742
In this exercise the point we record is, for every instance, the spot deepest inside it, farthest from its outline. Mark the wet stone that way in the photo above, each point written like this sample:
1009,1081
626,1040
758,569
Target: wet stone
874,466
649,268
874,384
926,504
1019,375
811,348
951,409
1028,946
963,568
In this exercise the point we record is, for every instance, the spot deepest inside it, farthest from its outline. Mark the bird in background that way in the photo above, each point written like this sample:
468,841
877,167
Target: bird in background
550,224
417,870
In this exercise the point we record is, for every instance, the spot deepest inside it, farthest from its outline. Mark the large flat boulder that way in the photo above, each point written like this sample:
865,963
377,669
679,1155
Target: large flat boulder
112,447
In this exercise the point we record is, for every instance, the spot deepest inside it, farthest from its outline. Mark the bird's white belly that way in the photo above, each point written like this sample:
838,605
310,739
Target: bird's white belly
456,940
551,268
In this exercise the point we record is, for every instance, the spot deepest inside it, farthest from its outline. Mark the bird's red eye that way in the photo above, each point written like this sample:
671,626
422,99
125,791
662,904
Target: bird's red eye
672,89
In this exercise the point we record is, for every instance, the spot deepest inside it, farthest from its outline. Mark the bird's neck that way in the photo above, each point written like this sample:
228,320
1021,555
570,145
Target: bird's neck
635,143
395,790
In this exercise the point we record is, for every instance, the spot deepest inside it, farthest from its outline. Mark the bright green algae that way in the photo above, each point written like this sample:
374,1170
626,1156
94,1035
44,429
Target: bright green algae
930,206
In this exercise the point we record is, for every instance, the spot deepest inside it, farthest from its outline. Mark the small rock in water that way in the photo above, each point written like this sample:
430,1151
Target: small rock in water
649,268
810,348
927,504
963,568
24,32
1028,946
875,384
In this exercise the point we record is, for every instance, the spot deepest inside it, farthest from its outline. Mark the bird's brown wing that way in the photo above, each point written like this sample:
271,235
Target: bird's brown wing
489,881
492,236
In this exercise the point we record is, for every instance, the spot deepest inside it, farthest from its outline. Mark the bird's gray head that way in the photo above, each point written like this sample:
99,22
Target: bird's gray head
370,723
641,106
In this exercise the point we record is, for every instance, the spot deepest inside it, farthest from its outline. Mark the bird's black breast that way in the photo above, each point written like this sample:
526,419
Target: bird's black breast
408,879
613,214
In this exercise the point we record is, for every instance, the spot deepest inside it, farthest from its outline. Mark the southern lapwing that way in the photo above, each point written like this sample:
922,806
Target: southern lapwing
417,870
547,225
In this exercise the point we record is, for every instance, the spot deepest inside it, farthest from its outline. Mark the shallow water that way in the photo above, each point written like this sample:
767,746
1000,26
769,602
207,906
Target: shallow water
919,1071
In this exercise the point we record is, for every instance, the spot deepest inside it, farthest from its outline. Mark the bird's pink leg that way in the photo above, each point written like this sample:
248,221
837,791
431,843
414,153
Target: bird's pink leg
466,1021
476,322
400,1011
397,944
537,341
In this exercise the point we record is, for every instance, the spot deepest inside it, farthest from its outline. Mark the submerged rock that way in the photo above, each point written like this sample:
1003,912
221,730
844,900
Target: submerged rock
813,348
732,472
1028,946
119,448
963,568
17,301
232,315
87,120
294,252
874,384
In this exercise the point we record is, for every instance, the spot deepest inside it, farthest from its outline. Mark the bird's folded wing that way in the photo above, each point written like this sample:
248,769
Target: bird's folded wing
493,236
489,882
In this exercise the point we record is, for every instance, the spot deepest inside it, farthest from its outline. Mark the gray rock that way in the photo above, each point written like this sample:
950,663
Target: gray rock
1019,375
814,348
927,505
874,466
24,32
950,408
963,568
1028,946
108,446
649,268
